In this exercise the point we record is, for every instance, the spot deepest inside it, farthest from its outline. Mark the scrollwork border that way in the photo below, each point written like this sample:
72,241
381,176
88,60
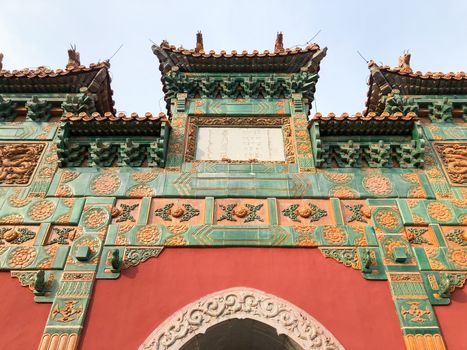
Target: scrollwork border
241,303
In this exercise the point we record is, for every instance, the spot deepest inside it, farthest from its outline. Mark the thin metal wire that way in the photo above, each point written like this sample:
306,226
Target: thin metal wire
115,52
362,57
309,41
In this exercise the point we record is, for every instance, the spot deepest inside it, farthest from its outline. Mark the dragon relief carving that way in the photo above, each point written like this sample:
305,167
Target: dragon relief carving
18,162
454,158
241,303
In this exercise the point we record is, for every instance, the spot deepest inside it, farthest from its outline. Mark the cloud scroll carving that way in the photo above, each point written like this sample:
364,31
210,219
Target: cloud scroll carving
241,303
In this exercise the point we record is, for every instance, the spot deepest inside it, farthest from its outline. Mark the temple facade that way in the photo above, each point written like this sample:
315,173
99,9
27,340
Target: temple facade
235,220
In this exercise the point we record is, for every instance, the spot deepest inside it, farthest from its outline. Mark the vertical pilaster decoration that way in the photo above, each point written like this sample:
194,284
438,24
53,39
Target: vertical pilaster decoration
157,150
68,312
416,315
177,134
413,307
299,110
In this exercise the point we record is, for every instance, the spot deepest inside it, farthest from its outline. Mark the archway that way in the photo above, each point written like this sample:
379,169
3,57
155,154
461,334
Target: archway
299,328
236,334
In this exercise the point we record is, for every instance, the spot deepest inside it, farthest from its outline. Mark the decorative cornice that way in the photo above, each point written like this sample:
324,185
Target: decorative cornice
239,85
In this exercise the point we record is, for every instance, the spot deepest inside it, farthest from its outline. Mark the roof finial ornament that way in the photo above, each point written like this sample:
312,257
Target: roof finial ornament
279,46
404,62
199,42
73,58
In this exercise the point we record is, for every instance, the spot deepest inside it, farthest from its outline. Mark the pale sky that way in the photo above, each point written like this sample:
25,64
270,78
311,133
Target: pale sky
34,33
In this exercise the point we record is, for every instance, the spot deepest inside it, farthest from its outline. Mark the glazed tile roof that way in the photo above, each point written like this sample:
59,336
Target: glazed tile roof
108,116
383,80
94,77
284,61
119,124
363,117
360,124
418,74
44,72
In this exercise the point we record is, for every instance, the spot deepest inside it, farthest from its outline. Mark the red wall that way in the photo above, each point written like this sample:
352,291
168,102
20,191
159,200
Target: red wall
359,313
21,319
124,312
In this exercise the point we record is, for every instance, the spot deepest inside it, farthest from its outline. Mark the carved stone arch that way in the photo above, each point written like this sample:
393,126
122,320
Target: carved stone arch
241,303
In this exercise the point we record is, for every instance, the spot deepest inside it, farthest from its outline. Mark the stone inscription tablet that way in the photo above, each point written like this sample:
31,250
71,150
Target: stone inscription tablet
262,144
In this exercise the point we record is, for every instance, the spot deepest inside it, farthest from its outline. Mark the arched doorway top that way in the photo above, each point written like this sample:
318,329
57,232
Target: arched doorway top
241,303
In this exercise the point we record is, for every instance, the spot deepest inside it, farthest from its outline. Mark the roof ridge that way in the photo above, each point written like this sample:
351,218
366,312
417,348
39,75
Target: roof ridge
108,116
370,116
211,53
418,74
43,71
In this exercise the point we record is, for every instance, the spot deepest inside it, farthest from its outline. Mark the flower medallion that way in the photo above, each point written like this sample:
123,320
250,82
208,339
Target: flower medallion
41,210
140,191
105,184
377,184
439,211
338,178
21,257
148,235
334,235
343,192
95,218
388,219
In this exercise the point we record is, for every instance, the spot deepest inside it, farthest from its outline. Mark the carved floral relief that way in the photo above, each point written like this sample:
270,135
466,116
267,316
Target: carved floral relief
241,211
176,211
302,212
